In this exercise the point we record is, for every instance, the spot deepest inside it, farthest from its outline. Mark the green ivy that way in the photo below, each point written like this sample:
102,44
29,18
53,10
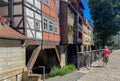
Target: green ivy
70,12
70,29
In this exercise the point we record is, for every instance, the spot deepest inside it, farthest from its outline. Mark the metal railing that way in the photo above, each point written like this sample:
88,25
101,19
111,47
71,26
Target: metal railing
16,75
81,57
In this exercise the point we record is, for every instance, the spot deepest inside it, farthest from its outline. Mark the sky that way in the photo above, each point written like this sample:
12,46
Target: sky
87,10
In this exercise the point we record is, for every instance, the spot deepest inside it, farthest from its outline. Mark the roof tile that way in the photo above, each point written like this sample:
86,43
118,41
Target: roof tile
7,32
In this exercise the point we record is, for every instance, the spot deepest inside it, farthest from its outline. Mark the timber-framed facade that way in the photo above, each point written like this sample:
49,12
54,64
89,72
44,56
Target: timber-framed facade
38,20
71,19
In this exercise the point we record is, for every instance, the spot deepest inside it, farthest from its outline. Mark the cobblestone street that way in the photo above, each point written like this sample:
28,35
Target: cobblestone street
99,73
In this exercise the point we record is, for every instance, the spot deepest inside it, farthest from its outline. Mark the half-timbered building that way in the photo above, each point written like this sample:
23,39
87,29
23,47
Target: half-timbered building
71,19
51,32
25,17
38,21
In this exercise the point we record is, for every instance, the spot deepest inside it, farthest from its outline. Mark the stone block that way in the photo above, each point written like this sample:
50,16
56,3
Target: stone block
7,59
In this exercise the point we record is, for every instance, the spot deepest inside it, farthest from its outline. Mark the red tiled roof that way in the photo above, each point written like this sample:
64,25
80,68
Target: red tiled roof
7,32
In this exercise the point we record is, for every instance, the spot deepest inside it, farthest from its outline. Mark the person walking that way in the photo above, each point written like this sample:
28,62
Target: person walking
105,55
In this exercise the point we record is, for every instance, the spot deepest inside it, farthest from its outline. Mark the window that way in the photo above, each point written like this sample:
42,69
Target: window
80,35
55,28
37,25
80,21
57,6
45,24
50,26
47,2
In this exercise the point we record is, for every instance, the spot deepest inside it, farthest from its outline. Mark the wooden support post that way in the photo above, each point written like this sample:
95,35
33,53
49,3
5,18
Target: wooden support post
33,57
58,57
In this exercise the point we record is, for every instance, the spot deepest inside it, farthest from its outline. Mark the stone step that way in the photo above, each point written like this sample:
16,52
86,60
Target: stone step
34,77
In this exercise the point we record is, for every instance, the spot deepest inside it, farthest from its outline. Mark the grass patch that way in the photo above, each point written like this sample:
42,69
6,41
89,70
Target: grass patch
61,71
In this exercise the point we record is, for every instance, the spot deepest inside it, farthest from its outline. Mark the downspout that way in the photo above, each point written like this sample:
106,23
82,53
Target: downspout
42,41
24,43
78,59
24,25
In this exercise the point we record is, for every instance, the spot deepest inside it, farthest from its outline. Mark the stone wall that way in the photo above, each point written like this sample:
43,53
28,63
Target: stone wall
62,49
12,59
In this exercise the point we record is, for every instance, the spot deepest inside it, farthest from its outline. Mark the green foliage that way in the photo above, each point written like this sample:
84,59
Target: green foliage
61,71
112,41
70,12
54,71
3,3
70,29
106,17
88,54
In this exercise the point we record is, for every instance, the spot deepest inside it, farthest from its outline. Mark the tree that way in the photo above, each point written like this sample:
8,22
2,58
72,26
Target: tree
3,3
106,17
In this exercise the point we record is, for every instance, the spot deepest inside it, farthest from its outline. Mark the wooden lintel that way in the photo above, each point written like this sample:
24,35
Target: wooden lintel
48,44
34,42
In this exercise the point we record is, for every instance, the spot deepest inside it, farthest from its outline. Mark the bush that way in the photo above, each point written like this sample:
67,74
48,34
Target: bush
61,71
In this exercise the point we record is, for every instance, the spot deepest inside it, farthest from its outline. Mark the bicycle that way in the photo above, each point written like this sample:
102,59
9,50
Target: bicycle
87,60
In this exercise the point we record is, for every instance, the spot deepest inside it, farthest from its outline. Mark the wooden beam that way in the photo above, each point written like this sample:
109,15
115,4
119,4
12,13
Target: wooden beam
33,57
58,56
34,42
11,11
20,22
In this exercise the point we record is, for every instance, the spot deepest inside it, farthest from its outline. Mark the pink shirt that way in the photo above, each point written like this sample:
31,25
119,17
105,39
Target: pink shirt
106,52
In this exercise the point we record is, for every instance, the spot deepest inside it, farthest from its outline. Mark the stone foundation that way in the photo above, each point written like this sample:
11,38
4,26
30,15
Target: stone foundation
12,60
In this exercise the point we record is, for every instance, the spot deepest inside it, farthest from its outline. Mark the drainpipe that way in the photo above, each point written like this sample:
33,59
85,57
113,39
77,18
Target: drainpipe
42,41
24,43
78,59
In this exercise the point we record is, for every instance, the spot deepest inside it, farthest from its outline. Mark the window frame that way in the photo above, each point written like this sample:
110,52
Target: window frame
57,5
52,25
55,26
45,22
47,2
37,28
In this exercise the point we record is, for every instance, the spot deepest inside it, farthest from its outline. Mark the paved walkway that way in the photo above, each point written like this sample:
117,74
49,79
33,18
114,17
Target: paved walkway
74,76
98,73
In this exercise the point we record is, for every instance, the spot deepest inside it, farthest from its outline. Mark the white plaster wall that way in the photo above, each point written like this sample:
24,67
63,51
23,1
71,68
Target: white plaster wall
37,16
17,9
17,21
30,23
29,12
29,33
17,0
39,35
